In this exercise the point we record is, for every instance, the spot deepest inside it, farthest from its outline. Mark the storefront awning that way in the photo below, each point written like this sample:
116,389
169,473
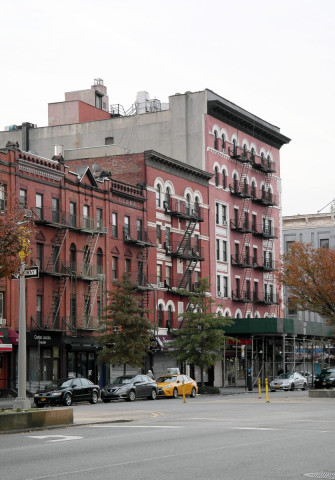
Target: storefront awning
8,338
163,341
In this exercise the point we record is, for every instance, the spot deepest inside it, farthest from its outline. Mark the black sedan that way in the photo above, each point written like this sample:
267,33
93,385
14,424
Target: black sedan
325,379
130,387
67,391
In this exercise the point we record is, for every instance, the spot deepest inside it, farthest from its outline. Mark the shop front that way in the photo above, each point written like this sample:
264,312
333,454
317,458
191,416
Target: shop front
81,358
9,340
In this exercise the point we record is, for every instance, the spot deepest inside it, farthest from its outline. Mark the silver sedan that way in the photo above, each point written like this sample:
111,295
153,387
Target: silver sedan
288,381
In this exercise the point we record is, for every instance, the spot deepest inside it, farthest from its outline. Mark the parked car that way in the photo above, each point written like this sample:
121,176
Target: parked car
172,385
288,381
66,391
130,387
325,379
308,376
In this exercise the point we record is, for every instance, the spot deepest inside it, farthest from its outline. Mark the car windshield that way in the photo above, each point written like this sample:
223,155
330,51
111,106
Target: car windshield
122,380
166,379
61,383
285,375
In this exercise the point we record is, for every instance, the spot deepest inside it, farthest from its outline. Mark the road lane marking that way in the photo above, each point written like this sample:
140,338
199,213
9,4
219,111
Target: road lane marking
59,438
135,426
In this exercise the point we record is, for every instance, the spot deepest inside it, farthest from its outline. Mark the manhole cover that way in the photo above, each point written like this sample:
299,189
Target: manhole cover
328,475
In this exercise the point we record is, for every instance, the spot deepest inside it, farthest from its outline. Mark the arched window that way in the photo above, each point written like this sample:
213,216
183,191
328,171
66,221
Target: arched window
216,176
244,151
253,189
252,154
215,140
196,206
167,197
99,261
262,159
234,147
235,180
224,179
188,204
86,258
158,195
73,257
245,185
160,315
169,318
263,192
223,143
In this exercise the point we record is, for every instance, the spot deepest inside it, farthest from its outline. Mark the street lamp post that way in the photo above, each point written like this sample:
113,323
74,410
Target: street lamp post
22,402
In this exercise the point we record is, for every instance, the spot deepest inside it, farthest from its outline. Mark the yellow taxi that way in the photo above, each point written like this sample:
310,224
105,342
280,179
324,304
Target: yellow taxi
171,385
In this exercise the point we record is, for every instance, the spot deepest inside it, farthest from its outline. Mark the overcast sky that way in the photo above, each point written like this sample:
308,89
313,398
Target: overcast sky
273,58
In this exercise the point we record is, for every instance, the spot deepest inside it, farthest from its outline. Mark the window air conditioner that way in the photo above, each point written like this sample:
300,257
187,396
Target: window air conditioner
3,321
224,223
160,284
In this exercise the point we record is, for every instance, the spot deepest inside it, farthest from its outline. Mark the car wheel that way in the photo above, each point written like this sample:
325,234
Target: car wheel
304,386
193,393
175,393
106,400
153,395
39,405
131,396
292,386
67,400
272,390
94,398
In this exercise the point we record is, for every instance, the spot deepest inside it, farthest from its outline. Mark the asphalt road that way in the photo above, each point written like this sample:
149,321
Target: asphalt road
234,437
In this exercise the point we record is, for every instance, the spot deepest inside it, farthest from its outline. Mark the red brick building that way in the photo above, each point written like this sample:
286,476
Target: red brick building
92,226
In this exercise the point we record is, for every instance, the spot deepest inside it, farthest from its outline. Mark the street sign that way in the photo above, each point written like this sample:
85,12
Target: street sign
32,272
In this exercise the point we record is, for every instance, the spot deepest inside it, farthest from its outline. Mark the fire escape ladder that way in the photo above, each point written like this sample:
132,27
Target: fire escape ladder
91,247
89,301
57,297
57,243
186,279
186,240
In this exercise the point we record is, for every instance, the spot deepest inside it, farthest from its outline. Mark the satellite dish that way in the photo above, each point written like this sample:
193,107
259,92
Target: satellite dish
96,167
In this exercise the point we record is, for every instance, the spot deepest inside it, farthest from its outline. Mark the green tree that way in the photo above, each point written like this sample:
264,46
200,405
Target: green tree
128,332
200,339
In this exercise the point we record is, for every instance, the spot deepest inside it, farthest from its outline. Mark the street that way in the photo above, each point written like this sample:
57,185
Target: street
220,437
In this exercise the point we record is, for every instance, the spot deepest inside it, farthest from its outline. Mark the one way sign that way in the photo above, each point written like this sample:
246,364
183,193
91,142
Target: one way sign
32,272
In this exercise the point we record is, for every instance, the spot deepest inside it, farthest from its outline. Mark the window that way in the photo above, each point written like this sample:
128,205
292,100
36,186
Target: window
246,220
224,214
167,236
216,176
159,274
238,287
140,275
73,214
98,101
224,179
169,318
114,225
244,151
158,196
235,183
1,304
324,243
255,294
252,154
139,230
234,147
225,287
217,214
196,243
158,235
291,306
160,315
39,255
196,206
126,228
247,289
188,204
237,252
247,255
236,217
217,249
55,210
109,140
245,185
2,197
167,197
86,215
39,205
23,198
99,219
73,257
99,261
223,143
253,189
39,299
254,256
215,140
127,266
114,268
254,223
224,250
218,284
168,275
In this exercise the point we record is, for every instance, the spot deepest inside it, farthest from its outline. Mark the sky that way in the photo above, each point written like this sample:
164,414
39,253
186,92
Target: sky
273,58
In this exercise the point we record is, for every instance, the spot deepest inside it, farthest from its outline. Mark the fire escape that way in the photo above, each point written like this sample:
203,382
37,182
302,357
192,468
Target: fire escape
191,214
241,223
138,236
